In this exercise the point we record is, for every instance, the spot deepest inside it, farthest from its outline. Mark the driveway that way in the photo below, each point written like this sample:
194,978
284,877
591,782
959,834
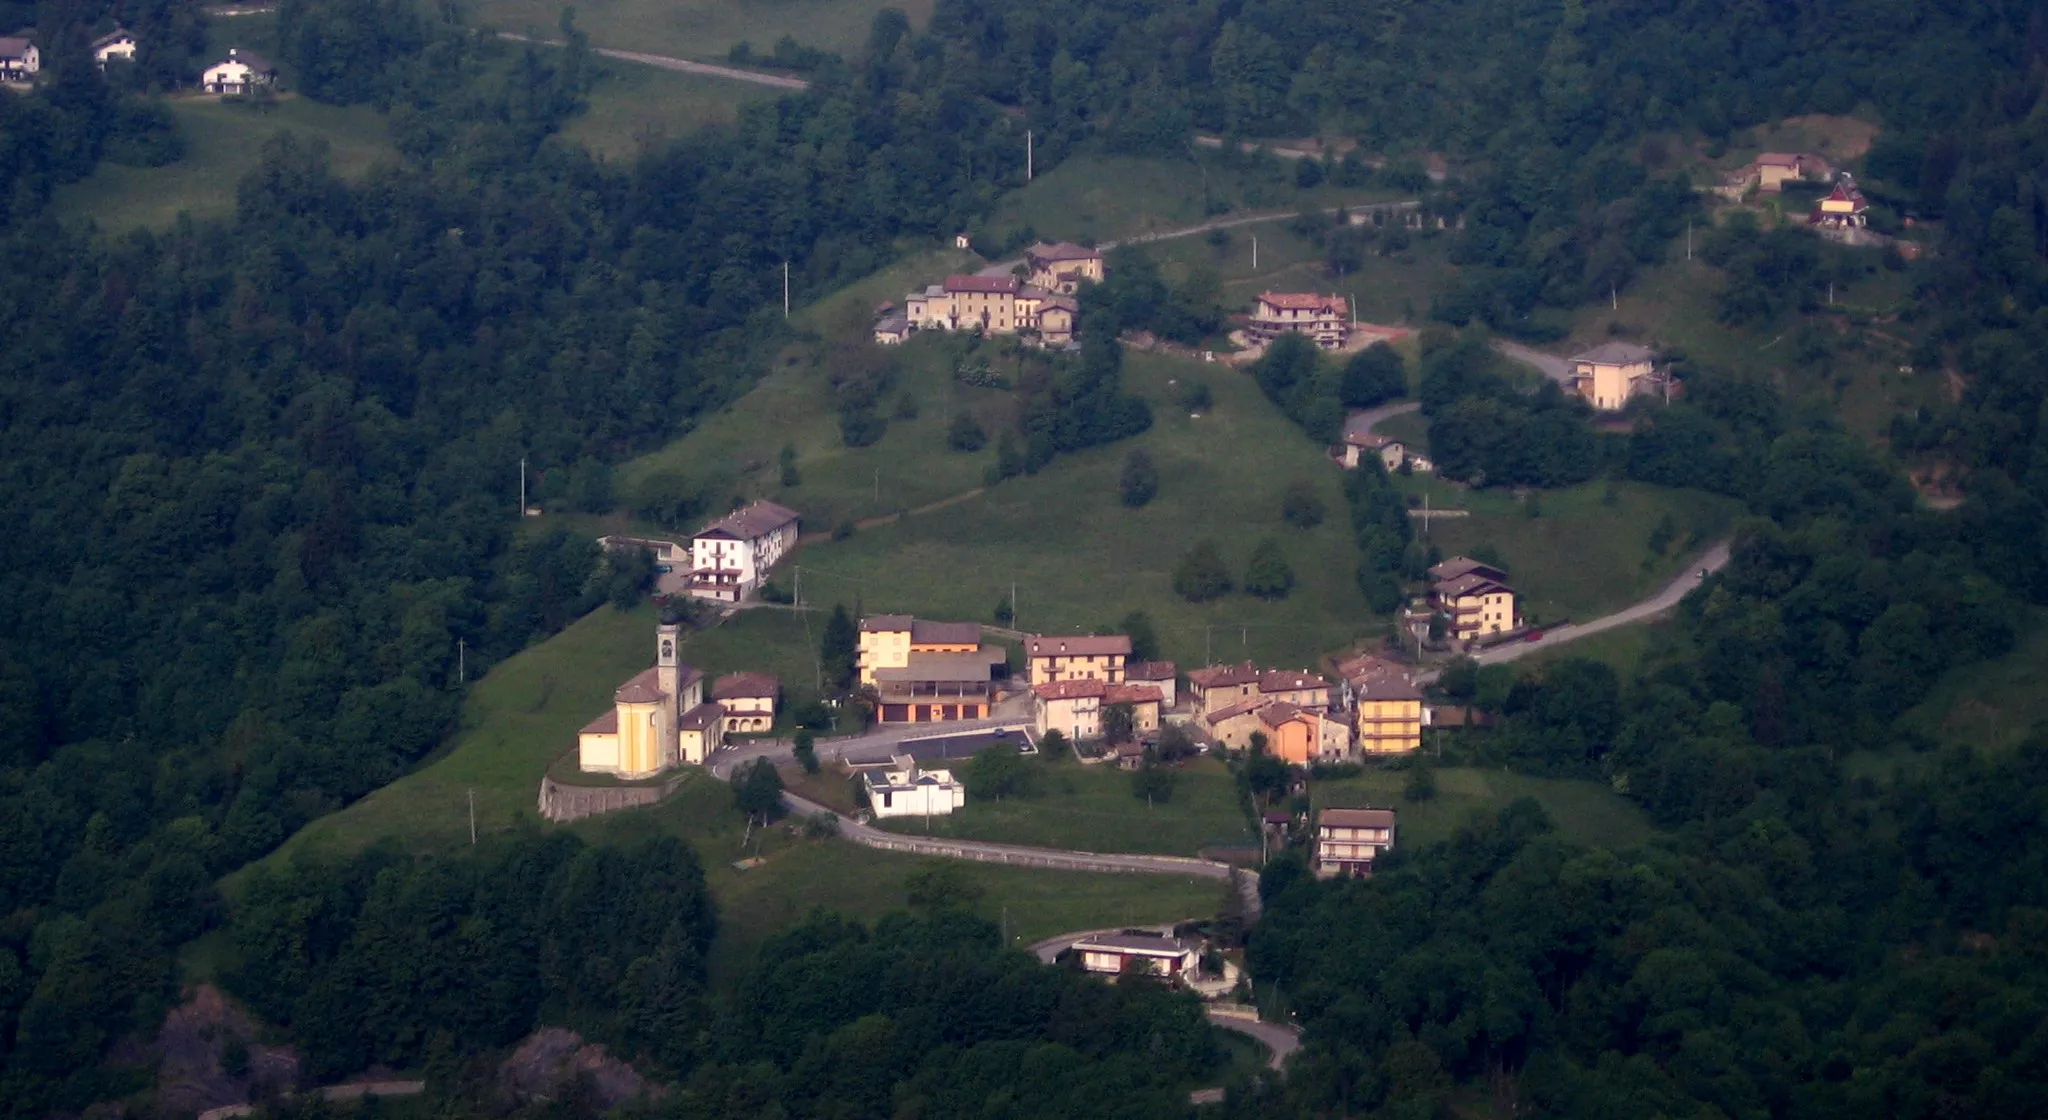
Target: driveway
1712,560
1361,423
1281,1039
1549,365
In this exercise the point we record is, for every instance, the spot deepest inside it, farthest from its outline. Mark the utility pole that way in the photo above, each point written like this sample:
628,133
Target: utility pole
878,487
472,817
1613,298
522,487
785,290
462,660
1688,239
1013,605
1027,155
1255,252
1207,658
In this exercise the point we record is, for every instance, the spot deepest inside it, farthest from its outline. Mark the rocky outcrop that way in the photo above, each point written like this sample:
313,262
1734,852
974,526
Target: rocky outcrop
208,1057
552,1060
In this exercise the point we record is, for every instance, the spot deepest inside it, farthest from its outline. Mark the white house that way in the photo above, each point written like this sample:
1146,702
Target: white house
730,558
1072,708
1135,951
19,58
240,72
118,44
902,790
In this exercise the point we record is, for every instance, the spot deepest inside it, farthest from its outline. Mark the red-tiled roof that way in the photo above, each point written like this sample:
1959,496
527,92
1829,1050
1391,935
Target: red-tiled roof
1062,251
1277,713
1070,690
606,724
1278,681
1132,694
736,686
1149,671
701,718
1079,645
992,284
757,519
1237,709
1463,566
924,633
885,623
644,688
1222,676
1357,818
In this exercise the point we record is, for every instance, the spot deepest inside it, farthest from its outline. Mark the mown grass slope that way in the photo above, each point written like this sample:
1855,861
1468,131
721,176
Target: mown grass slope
1091,808
1585,812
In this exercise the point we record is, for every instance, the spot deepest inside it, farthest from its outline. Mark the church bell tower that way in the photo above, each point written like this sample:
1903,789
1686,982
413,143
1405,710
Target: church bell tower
667,674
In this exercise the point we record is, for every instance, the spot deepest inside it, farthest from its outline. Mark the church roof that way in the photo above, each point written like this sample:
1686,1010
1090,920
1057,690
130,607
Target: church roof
734,686
606,724
701,717
644,688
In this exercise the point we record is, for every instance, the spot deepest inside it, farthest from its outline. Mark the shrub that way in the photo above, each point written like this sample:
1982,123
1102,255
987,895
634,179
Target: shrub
1301,506
1268,575
964,434
1201,575
1140,482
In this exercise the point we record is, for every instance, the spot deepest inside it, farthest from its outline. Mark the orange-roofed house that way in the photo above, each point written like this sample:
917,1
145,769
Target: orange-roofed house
1074,657
1324,319
1061,267
1072,708
1222,686
1293,735
1144,700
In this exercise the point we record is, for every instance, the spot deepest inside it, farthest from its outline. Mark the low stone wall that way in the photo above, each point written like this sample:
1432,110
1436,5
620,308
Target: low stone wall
562,802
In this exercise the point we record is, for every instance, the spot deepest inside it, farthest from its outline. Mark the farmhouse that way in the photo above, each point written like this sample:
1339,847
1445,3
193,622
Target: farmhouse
730,558
1061,657
643,733
19,58
240,72
115,45
1145,701
1360,444
1303,690
927,671
748,700
1061,267
1348,840
1323,318
892,330
1137,953
903,790
1774,169
1609,374
1475,597
1223,686
992,305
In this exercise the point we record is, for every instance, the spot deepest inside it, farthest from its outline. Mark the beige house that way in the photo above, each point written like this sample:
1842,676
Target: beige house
992,305
1071,707
1324,319
1774,169
1223,686
892,330
1138,953
1158,674
700,731
1303,690
1348,840
1475,597
1062,266
1609,374
1145,702
924,672
1097,657
748,700
641,735
1358,446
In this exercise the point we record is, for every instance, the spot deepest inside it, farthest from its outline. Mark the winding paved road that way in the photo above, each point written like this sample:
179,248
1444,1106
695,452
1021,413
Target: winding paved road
1282,1039
1706,563
684,65
1549,365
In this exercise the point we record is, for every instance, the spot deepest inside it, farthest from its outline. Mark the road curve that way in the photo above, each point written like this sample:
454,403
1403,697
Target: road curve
1549,365
1279,1038
683,65
1696,570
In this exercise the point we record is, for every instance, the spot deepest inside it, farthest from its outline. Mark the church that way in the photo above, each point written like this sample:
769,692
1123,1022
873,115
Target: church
659,719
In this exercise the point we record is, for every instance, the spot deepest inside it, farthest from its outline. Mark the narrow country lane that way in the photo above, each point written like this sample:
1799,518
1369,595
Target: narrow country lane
682,65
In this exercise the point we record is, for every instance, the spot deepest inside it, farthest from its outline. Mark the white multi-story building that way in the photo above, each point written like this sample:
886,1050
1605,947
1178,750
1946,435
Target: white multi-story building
118,44
731,557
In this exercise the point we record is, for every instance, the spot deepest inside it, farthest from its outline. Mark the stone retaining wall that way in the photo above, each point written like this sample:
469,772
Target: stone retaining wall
561,802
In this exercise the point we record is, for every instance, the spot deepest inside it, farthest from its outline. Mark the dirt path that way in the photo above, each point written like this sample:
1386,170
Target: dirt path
683,65
891,518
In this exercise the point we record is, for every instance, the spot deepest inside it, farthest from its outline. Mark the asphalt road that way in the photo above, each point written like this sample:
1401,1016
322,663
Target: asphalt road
1549,365
1280,1039
1712,560
684,65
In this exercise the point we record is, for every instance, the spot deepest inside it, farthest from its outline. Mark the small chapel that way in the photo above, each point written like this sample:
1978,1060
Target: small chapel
659,719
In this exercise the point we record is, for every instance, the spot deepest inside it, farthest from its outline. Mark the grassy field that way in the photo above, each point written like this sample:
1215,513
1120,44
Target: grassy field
1389,289
635,107
1582,556
1992,705
1586,812
223,142
1625,649
705,29
1090,808
1102,198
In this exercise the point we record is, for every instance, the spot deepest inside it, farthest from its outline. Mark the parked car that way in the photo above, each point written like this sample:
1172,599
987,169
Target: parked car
1534,636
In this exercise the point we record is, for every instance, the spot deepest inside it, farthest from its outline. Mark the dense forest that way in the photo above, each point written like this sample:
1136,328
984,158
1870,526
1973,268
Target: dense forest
258,490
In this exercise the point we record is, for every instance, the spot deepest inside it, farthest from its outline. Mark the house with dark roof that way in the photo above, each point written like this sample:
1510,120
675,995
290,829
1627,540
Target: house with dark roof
1062,657
996,302
1138,953
731,557
924,671
1475,599
117,45
1349,840
1612,372
1162,675
1385,704
242,71
1216,687
1071,707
